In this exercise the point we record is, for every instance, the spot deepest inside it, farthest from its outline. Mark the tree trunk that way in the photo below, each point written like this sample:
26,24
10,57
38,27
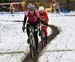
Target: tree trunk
68,2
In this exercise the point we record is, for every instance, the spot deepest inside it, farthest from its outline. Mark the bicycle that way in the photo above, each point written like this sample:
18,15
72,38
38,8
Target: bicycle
43,37
32,42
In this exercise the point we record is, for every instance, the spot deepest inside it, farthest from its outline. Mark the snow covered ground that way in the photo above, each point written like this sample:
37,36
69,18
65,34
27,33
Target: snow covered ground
62,48
13,45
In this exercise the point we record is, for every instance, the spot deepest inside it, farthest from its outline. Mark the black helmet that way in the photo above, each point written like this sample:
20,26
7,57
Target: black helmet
31,7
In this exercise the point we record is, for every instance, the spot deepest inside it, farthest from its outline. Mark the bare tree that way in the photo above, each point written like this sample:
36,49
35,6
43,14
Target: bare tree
67,2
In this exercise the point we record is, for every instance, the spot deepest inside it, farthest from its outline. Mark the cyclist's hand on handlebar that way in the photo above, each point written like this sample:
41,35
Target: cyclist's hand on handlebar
44,22
47,24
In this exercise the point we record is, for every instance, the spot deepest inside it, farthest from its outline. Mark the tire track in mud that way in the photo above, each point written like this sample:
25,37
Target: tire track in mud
55,32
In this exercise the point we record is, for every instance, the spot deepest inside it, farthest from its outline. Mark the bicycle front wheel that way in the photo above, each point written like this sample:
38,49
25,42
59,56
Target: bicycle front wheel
43,38
32,47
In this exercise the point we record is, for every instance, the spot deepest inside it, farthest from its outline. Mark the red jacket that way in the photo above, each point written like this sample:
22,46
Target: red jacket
32,18
44,16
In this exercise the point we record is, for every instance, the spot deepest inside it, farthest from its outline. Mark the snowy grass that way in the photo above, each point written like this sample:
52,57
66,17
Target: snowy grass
13,42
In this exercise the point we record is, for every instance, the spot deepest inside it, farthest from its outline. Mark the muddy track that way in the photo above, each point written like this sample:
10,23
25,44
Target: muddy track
54,33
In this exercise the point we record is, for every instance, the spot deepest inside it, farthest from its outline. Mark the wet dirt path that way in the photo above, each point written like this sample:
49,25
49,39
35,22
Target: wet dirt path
54,33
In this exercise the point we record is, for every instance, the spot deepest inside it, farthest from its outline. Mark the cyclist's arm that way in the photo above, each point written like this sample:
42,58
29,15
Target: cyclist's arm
24,22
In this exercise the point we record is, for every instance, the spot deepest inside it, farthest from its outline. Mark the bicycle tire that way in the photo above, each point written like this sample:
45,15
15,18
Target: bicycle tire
32,47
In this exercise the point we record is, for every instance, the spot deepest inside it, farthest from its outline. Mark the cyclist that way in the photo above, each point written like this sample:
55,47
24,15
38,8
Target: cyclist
31,19
43,16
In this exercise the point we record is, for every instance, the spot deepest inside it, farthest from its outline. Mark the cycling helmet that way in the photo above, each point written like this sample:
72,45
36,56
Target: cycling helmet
41,8
31,7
